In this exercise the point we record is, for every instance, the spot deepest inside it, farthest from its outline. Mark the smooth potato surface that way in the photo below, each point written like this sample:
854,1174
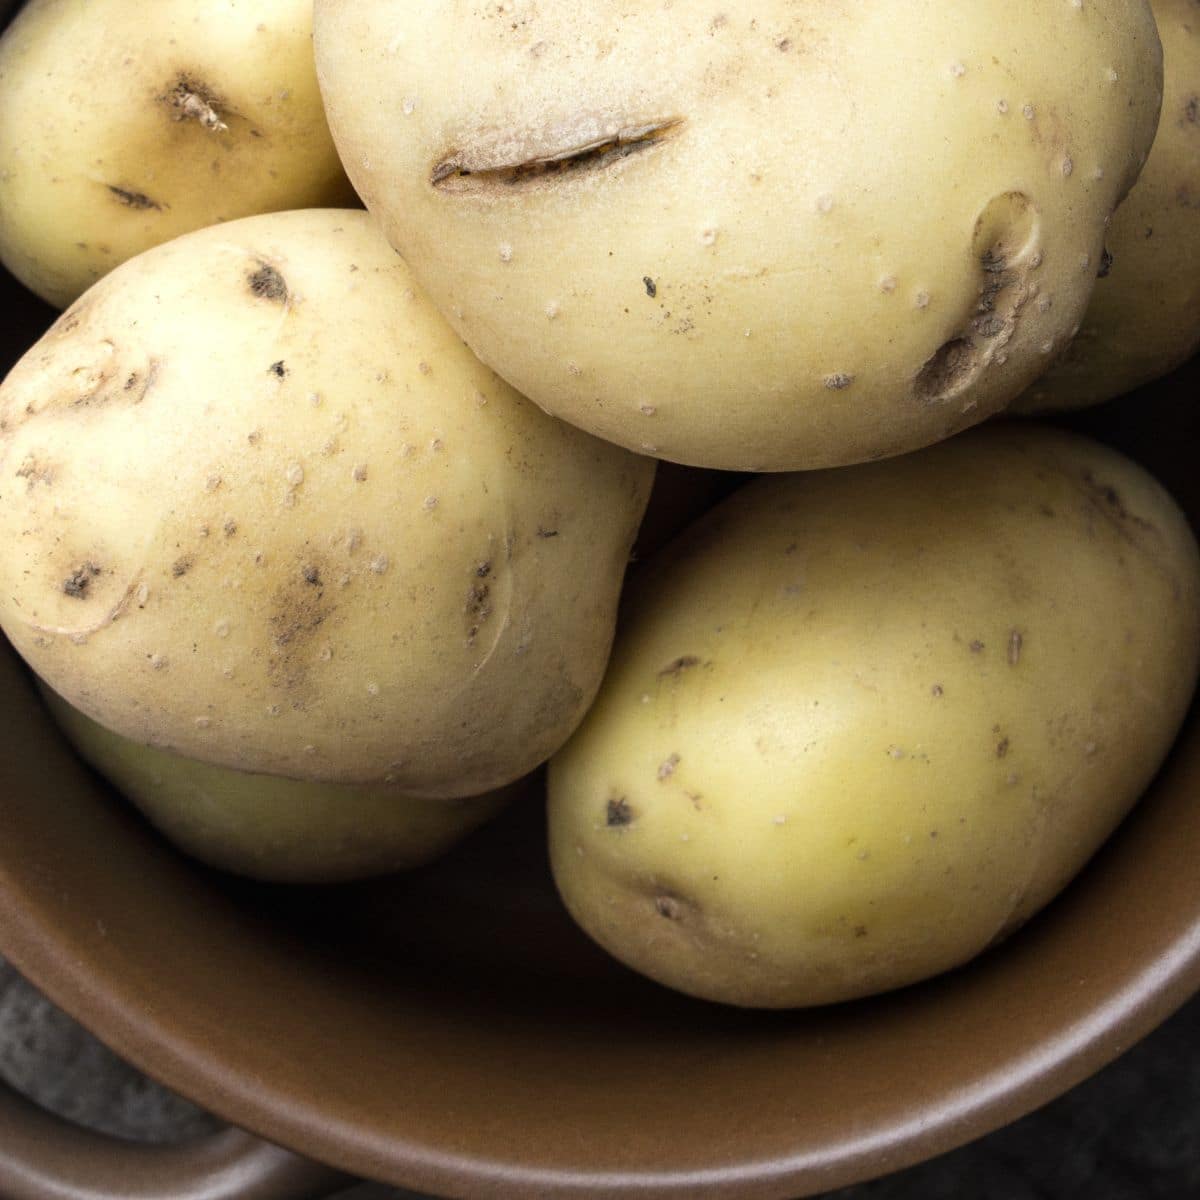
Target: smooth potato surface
124,124
1144,317
260,507
767,238
861,724
268,827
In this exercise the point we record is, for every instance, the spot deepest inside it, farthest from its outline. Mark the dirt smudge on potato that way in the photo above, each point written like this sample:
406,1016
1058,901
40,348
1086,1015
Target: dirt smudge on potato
77,584
134,199
189,99
266,283
181,566
298,611
617,813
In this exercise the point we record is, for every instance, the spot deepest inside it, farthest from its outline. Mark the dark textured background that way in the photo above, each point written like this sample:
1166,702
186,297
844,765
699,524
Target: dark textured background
1130,1133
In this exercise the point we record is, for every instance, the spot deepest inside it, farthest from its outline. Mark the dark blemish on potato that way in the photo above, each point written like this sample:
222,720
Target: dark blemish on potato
190,100
677,666
1106,264
132,199
838,382
617,813
938,690
76,584
474,171
651,286
1191,111
278,369
478,609
947,371
933,833
667,768
860,931
181,566
1106,497
311,575
483,570
669,907
231,527
546,533
1002,748
1015,642
1046,510
977,647
266,283
784,46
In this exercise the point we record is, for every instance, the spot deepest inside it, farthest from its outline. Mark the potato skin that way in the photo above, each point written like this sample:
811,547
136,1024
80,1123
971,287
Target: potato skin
125,124
696,232
261,507
267,827
1144,317
861,724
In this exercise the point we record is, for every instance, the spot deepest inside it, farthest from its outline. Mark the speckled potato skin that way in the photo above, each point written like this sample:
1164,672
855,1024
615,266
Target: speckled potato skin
859,725
1144,317
760,238
103,154
261,507
267,827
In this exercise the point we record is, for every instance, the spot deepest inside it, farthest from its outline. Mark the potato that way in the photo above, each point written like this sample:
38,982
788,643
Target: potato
862,724
1144,317
124,124
760,239
267,827
260,507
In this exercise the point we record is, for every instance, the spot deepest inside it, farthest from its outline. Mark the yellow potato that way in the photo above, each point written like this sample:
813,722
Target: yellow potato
259,506
861,724
766,238
1144,317
267,827
125,123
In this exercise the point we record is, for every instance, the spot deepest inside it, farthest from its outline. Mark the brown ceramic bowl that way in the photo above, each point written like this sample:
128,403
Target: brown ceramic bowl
451,1030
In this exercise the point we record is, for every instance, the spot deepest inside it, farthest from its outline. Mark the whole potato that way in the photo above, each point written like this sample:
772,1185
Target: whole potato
1144,317
124,124
268,827
765,238
259,506
862,724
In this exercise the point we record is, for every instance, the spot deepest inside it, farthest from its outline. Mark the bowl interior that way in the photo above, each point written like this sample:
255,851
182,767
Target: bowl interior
450,1030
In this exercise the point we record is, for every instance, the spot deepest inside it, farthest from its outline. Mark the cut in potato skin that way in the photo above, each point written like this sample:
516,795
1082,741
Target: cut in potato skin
861,724
1144,317
260,507
764,239
125,123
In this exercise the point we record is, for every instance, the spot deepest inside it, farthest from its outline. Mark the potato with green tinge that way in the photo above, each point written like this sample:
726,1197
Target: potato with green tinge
268,827
1144,317
260,506
860,725
758,238
124,124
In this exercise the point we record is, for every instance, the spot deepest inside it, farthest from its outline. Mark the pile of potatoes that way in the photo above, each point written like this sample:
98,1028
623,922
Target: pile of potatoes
315,520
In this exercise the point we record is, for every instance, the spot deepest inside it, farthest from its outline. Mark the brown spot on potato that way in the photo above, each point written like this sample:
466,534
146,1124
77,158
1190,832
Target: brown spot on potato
278,369
131,199
667,768
298,610
617,813
77,583
547,533
650,286
669,907
181,566
311,576
1002,747
478,609
1191,111
267,283
189,99
977,647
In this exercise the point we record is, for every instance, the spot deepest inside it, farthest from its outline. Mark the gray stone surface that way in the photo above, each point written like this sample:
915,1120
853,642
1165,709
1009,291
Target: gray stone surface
1130,1133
